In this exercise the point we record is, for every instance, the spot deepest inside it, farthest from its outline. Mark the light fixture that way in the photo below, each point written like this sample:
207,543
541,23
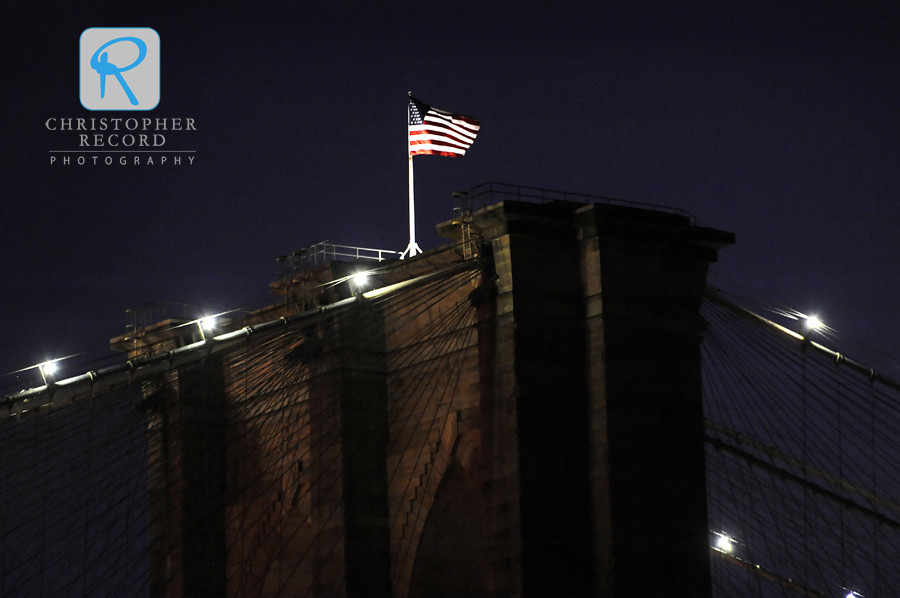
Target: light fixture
813,322
723,543
207,324
359,279
48,371
49,367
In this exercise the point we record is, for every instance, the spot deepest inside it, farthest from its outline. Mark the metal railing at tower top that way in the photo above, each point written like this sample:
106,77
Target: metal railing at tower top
326,251
490,193
157,311
295,268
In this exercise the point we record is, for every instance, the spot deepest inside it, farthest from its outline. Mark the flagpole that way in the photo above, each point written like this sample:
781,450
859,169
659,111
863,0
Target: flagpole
413,248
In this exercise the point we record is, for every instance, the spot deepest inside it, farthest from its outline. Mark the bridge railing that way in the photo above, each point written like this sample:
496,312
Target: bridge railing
326,251
493,192
158,311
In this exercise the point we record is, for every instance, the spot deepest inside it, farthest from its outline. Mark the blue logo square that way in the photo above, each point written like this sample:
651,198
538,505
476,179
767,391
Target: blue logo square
119,68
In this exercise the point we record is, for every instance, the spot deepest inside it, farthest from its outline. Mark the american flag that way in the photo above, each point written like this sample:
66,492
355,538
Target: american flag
437,132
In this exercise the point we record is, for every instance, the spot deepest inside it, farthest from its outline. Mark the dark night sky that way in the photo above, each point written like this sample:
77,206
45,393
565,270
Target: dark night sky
778,121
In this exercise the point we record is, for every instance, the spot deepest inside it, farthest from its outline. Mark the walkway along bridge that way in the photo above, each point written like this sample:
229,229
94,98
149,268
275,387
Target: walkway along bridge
556,405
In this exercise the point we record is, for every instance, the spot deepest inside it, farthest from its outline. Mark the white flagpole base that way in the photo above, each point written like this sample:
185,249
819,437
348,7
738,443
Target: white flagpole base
411,250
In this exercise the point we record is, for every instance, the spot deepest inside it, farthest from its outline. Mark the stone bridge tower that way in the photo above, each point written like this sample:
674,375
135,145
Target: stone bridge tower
558,449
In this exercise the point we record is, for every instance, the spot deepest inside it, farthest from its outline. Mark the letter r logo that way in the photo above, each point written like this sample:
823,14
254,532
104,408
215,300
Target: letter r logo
119,68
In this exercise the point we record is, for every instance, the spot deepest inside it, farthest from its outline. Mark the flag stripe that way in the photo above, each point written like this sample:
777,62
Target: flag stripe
449,120
422,146
438,132
428,136
466,119
438,146
450,129
431,134
437,153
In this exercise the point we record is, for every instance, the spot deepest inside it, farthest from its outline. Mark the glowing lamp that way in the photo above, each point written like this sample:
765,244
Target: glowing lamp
359,279
723,543
48,371
813,322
